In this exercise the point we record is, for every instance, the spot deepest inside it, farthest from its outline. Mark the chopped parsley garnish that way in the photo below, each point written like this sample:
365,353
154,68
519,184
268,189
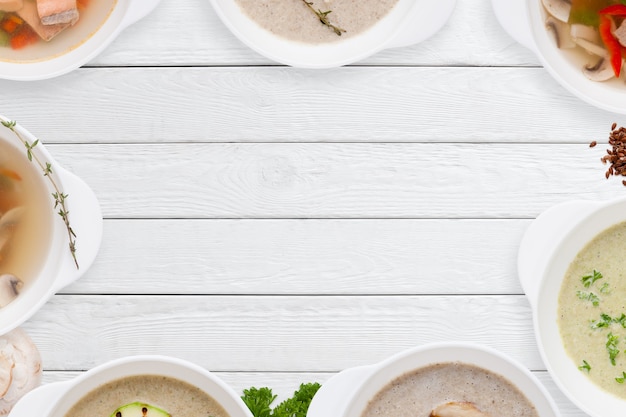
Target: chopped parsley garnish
588,280
621,379
589,296
605,321
611,347
585,366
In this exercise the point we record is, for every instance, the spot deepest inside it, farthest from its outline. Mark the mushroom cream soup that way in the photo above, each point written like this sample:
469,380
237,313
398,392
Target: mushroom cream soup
454,385
592,313
293,19
25,221
162,394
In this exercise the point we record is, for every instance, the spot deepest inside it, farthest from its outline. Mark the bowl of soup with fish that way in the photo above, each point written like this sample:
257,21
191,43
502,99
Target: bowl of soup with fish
580,42
46,38
437,380
50,225
572,267
330,33
138,386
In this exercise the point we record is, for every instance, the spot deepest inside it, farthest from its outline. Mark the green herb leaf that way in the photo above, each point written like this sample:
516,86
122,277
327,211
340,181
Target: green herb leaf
588,280
604,322
605,288
258,401
588,296
621,379
611,347
585,366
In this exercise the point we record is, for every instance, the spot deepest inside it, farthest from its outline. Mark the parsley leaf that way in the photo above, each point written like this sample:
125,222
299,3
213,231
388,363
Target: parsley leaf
611,347
585,366
605,321
588,280
589,296
621,379
259,401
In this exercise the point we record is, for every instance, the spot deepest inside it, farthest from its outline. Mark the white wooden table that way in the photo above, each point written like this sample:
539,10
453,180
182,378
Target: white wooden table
278,225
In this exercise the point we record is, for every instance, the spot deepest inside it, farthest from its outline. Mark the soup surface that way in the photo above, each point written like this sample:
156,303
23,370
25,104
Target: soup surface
591,310
417,393
176,397
25,215
292,19
19,42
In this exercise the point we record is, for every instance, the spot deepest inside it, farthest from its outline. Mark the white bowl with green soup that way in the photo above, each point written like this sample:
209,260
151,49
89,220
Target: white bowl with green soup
136,386
330,33
50,225
572,266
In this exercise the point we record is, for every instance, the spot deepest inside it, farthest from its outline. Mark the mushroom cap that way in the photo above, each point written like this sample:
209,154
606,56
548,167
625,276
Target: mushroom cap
20,368
558,8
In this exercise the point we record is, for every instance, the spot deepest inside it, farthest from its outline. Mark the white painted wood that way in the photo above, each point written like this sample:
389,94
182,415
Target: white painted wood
277,104
274,333
306,257
337,180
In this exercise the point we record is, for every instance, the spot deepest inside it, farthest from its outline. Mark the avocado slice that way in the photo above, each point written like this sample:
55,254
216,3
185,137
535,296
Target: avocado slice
138,409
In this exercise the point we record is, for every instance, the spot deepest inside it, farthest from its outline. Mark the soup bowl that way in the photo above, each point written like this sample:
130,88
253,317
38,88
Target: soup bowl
56,399
524,20
75,46
348,393
58,268
408,23
548,247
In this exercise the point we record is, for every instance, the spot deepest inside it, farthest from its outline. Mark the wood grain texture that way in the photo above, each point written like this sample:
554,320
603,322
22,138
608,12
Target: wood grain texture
276,104
472,36
285,257
336,180
274,333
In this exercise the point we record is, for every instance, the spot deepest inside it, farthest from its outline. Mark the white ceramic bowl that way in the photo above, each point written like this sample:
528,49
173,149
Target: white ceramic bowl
348,393
409,22
64,55
524,21
58,268
55,399
547,249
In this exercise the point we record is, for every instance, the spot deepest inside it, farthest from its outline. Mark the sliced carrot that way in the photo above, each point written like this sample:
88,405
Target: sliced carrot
9,25
10,174
26,36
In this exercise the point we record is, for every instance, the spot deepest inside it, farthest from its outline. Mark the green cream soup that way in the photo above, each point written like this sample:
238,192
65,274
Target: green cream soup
592,310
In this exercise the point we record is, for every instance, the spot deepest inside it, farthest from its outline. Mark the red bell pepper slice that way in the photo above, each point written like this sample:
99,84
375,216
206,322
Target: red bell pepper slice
614,10
612,44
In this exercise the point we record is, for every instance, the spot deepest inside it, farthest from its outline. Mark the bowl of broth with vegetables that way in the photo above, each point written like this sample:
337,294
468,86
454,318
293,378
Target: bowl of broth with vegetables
50,225
325,34
580,42
46,38
136,386
436,380
572,267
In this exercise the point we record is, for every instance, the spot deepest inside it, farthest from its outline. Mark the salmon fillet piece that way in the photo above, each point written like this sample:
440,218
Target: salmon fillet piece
54,12
31,16
10,5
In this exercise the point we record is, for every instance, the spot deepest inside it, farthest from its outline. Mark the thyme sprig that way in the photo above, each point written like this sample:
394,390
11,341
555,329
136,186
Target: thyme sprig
323,17
59,197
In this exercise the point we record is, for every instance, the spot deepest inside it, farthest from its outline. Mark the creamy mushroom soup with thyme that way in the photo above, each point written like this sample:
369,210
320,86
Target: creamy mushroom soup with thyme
318,22
452,388
592,313
149,396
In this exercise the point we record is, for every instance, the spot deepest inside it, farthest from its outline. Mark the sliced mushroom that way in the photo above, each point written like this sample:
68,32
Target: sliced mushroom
457,409
21,361
588,33
592,48
10,287
558,8
600,71
8,222
561,33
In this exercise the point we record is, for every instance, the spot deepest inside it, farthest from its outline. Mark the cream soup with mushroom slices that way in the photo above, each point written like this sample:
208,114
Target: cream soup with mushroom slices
293,19
450,385
160,395
26,212
591,310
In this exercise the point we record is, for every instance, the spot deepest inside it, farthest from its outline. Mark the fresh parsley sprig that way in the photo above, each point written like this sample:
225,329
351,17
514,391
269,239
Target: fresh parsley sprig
588,280
259,401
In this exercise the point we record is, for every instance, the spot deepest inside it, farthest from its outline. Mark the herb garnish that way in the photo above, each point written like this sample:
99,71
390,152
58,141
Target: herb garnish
323,17
259,401
621,379
589,296
605,321
590,279
585,366
611,347
46,168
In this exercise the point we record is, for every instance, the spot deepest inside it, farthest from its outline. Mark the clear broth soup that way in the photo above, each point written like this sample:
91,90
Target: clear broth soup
22,188
92,15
